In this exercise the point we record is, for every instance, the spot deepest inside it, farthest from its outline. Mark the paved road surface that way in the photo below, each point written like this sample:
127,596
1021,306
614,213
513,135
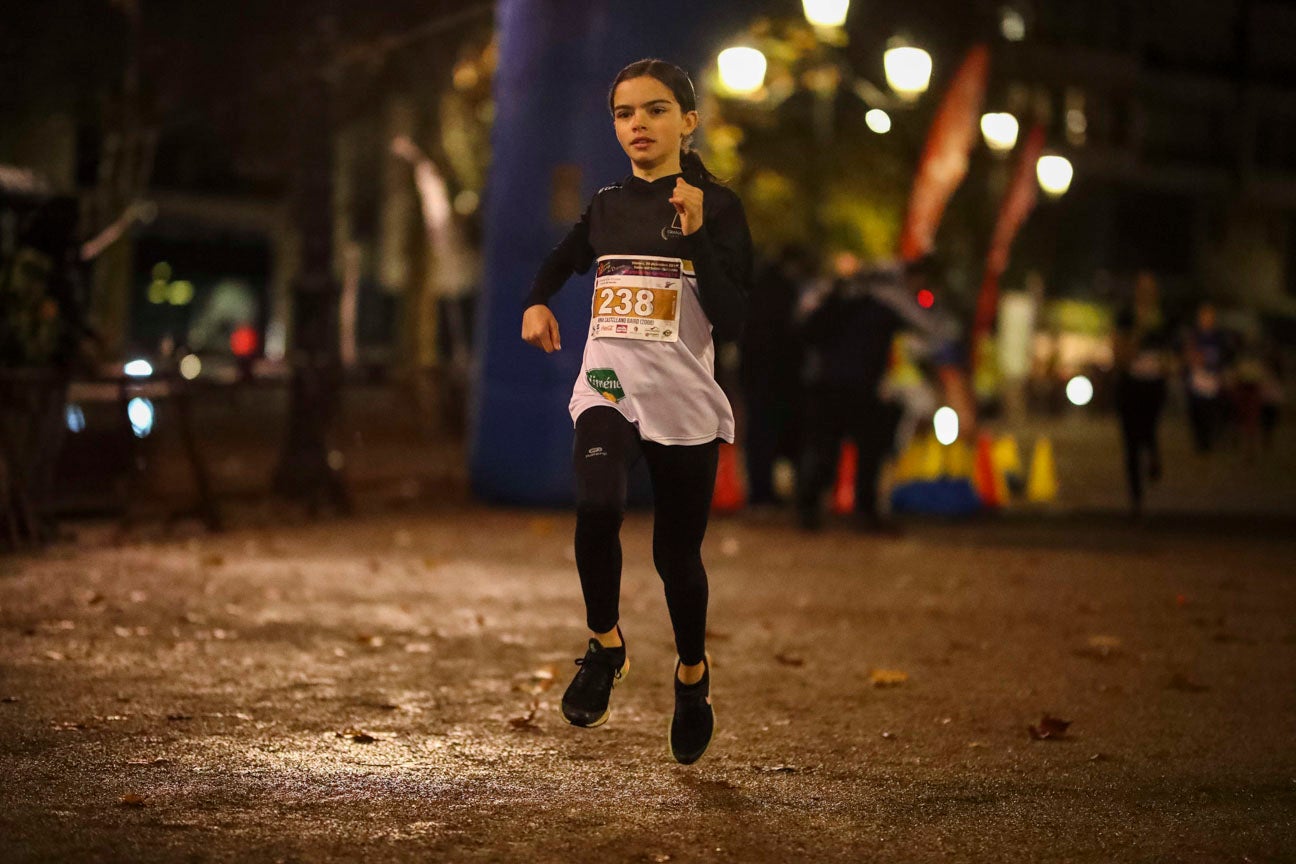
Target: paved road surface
202,698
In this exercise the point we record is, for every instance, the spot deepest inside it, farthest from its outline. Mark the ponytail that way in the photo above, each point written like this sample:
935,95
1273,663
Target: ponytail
694,169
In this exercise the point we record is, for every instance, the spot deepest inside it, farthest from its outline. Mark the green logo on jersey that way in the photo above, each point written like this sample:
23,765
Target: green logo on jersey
605,381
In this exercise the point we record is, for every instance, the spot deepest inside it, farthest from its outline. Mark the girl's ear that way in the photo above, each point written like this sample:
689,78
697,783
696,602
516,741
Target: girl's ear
690,122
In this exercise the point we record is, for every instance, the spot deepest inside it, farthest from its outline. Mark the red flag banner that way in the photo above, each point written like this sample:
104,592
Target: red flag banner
945,156
1017,205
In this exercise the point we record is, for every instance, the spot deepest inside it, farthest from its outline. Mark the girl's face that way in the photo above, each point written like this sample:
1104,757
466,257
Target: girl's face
649,122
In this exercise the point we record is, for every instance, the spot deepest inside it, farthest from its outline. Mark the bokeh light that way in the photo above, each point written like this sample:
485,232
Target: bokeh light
946,425
140,413
742,70
138,368
878,120
190,367
1079,390
75,418
908,70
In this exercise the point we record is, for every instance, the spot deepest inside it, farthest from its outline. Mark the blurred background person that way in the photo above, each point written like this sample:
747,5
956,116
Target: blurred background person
769,370
1272,395
1205,357
847,336
1141,350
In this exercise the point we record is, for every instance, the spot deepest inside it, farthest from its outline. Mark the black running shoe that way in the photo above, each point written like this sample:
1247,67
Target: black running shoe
586,701
694,721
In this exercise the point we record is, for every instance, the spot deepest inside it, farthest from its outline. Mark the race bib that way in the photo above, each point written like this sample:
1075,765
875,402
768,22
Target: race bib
637,297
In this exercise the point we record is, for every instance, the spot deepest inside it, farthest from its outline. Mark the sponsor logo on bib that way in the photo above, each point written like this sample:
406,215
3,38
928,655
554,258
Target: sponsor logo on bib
606,382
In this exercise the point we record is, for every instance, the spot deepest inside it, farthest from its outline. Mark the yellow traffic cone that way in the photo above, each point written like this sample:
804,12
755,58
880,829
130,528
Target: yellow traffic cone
1042,486
1008,464
933,460
958,461
909,465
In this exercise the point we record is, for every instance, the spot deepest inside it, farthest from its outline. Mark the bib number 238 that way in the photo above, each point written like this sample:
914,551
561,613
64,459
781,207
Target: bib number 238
637,297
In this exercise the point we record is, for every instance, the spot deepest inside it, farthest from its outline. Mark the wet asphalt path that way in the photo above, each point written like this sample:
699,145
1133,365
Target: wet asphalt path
386,689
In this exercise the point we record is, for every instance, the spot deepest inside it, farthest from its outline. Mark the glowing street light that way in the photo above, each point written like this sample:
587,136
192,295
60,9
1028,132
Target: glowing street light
999,130
1054,174
742,70
825,13
908,70
878,120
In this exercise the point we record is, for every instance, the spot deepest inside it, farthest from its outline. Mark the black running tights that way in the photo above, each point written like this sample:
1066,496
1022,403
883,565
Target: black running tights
683,480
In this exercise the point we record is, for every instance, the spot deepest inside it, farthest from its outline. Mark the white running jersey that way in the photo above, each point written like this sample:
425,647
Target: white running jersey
649,353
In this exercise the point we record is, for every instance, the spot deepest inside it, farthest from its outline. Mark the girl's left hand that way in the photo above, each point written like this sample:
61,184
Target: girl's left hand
688,204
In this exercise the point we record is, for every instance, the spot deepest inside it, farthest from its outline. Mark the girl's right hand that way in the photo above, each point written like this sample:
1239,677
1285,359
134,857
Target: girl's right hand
540,328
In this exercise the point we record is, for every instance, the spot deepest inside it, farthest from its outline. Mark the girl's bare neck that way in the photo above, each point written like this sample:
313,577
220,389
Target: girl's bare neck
656,172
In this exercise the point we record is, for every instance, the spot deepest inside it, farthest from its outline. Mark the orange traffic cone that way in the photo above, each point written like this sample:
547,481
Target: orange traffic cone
729,494
843,500
984,476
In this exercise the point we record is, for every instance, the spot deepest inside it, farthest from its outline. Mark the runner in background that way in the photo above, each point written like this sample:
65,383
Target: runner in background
672,257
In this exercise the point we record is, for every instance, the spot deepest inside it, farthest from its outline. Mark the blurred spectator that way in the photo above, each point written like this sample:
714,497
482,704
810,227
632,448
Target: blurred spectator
1205,359
848,335
1272,395
1141,348
769,369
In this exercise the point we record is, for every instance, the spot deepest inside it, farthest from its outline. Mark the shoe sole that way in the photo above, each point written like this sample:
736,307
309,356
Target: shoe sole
625,673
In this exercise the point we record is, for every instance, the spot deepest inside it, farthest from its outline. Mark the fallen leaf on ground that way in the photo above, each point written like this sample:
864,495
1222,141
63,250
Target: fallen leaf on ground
1179,681
1050,728
775,769
359,736
130,799
1101,647
887,677
789,659
543,678
527,720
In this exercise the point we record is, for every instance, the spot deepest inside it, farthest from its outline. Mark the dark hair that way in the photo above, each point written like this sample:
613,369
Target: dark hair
681,86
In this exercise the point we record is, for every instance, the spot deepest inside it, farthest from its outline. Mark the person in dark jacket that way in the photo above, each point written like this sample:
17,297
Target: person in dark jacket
847,338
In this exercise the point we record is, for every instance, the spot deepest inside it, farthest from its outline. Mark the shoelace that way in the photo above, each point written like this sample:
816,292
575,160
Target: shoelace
595,660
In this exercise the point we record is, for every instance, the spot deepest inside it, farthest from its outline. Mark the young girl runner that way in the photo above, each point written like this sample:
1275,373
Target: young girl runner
673,260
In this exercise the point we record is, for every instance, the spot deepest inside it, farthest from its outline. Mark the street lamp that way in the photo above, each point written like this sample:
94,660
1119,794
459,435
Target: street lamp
1054,174
825,13
742,70
999,130
908,70
878,120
